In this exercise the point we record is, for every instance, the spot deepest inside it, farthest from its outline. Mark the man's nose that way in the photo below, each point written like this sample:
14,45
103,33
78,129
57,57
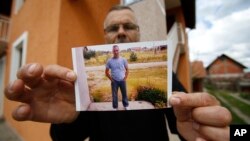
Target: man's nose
121,30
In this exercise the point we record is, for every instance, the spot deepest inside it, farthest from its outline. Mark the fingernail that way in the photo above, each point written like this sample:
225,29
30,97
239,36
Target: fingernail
32,68
175,100
200,139
21,112
196,126
10,88
70,75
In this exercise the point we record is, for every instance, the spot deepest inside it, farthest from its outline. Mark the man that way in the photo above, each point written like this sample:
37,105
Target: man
47,95
119,73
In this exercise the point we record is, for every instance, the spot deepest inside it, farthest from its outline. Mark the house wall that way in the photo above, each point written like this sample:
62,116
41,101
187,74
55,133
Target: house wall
53,26
224,66
151,17
225,74
81,23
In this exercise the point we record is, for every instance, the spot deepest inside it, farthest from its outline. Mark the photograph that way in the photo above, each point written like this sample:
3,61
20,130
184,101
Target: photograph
125,76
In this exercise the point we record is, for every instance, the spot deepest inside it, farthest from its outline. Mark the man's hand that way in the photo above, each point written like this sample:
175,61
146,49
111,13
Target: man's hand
46,94
200,117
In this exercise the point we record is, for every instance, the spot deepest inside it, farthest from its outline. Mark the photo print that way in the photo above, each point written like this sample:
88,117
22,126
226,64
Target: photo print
125,76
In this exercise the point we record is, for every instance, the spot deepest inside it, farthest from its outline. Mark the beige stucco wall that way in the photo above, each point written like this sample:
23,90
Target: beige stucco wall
152,22
151,19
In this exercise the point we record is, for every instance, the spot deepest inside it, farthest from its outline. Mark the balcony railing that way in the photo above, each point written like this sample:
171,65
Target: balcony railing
4,26
176,36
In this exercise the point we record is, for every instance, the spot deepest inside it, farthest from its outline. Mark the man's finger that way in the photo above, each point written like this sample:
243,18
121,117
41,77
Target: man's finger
207,116
30,74
193,100
183,104
58,72
22,113
213,133
16,91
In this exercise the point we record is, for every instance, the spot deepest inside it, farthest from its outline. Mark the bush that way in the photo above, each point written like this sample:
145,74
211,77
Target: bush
133,57
153,95
89,54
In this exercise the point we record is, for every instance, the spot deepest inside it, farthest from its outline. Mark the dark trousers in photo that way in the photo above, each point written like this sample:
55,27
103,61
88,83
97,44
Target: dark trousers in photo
115,85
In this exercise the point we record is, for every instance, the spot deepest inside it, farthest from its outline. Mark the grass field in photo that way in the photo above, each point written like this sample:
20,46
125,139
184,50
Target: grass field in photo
100,85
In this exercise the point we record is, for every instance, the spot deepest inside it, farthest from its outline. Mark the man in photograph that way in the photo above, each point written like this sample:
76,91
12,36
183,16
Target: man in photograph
119,72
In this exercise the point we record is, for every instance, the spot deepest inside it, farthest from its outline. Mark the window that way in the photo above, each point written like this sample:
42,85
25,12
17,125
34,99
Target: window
18,56
129,2
18,5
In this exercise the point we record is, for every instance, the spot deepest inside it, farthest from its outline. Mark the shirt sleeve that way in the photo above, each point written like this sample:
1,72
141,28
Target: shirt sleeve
125,62
108,64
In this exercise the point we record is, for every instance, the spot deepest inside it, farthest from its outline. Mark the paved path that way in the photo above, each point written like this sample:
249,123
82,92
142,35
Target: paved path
237,96
131,66
107,106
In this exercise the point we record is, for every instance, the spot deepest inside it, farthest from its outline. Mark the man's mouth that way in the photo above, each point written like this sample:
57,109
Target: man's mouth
121,40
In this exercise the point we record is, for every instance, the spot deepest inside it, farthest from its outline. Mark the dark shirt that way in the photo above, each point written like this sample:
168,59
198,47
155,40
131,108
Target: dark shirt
132,125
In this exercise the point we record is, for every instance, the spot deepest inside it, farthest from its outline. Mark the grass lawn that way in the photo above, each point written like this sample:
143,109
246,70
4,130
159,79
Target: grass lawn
244,108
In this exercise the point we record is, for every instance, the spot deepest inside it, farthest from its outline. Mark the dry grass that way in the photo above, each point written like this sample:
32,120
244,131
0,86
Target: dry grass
154,77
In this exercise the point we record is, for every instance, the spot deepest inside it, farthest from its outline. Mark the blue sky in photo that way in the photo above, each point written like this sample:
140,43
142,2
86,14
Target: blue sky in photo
222,27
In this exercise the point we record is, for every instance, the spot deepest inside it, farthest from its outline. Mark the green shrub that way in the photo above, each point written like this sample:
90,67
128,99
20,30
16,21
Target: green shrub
89,54
153,95
133,57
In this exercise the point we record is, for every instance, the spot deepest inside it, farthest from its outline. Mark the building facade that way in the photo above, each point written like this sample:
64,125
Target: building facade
225,72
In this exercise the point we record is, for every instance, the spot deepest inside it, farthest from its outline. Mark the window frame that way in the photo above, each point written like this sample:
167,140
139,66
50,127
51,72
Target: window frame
18,51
